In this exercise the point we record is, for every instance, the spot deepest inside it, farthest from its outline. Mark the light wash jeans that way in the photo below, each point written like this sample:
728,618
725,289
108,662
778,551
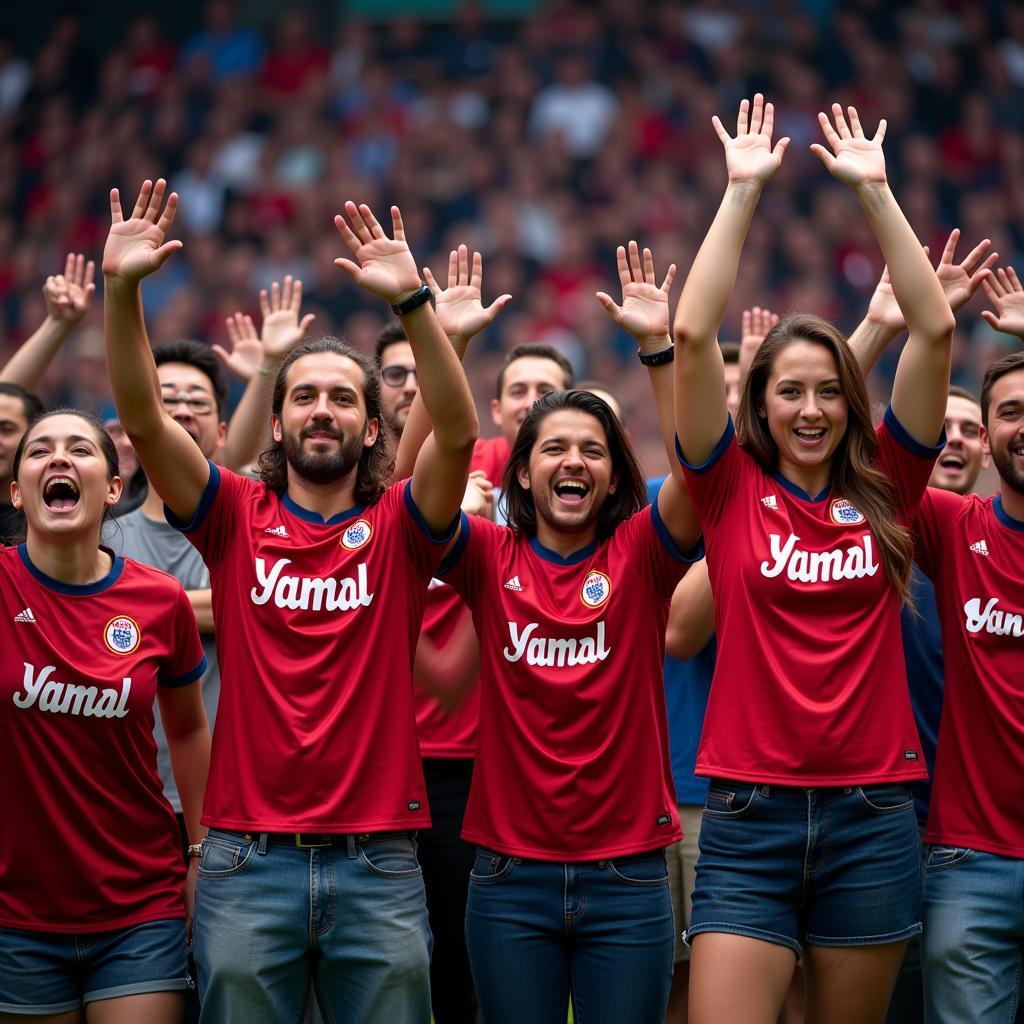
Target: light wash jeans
973,931
351,918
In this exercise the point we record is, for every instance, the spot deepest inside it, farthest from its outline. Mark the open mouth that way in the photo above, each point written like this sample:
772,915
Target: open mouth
809,437
571,491
60,494
953,463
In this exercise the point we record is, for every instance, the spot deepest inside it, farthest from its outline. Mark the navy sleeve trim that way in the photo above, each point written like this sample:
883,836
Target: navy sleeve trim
900,435
719,451
174,682
204,506
449,561
437,538
695,554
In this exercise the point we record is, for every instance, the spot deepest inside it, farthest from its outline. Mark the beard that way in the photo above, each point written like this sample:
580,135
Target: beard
326,467
1008,472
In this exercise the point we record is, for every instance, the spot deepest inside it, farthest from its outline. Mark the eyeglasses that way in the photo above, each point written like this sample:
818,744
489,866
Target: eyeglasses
396,376
197,405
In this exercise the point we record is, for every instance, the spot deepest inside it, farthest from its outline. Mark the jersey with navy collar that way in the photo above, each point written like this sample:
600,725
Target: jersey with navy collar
88,842
316,628
809,687
572,753
974,552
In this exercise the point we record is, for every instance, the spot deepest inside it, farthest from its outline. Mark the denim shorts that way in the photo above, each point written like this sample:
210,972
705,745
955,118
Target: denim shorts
826,867
45,973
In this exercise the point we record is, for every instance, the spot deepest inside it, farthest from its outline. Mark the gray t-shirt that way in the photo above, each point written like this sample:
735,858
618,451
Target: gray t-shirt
160,545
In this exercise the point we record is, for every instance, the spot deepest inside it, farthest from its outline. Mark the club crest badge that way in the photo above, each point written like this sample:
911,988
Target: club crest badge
356,534
845,514
596,589
121,634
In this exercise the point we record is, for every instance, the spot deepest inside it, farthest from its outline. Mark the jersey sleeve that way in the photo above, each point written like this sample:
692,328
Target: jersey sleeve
216,519
932,523
425,547
713,483
185,661
906,462
653,552
463,565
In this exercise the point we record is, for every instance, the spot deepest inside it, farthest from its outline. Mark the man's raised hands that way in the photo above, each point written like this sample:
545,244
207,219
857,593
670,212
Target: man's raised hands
460,309
136,247
644,310
381,265
1005,293
68,295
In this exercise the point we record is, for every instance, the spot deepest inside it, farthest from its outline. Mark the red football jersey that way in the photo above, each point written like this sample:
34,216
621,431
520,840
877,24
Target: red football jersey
572,753
491,455
974,553
810,687
316,629
88,841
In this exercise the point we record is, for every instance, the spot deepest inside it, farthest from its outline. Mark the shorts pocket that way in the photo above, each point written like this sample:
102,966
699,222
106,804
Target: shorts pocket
644,871
939,858
887,798
490,867
731,799
394,857
224,855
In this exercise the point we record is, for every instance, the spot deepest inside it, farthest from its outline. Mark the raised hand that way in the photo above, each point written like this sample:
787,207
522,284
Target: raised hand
1005,293
755,323
644,310
750,157
883,309
479,497
136,247
961,280
855,159
68,295
245,356
380,264
460,310
282,330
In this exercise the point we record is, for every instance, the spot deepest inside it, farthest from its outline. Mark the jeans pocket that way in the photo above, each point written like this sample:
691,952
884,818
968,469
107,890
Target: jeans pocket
394,857
940,858
645,870
225,855
885,798
727,799
490,867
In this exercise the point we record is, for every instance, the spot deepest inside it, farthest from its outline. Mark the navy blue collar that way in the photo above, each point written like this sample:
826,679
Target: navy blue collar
1004,517
799,492
314,517
553,556
74,589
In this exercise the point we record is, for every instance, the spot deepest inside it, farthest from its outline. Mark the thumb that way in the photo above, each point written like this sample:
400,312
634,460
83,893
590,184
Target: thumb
990,318
165,250
223,355
352,269
306,321
497,306
780,148
614,310
823,155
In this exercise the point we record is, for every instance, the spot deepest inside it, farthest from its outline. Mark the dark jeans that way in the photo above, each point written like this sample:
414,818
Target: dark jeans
447,860
191,1014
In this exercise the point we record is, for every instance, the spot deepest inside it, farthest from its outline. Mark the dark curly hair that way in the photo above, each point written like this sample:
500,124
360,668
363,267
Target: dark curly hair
376,463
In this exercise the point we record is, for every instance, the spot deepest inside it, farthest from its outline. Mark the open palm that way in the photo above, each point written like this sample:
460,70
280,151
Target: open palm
750,156
460,309
644,310
136,247
381,265
855,159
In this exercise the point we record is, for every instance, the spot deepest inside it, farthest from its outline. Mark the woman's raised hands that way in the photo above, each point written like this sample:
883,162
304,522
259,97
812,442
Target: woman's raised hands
750,157
855,159
135,247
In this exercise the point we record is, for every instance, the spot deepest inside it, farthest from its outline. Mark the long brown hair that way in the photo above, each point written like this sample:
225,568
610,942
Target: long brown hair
855,472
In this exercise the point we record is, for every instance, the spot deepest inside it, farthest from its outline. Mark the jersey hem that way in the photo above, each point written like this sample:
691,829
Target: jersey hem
64,928
973,843
428,753
325,828
602,853
806,781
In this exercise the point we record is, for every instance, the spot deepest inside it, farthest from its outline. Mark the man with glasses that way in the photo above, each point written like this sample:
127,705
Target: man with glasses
398,376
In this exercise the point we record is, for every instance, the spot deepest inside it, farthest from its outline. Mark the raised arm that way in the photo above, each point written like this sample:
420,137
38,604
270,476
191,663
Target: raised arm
1004,291
644,314
136,248
67,297
257,358
755,323
922,375
462,315
884,319
691,616
751,161
385,266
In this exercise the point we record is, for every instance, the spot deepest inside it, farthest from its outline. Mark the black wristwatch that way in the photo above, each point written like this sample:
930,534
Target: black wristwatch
660,358
418,298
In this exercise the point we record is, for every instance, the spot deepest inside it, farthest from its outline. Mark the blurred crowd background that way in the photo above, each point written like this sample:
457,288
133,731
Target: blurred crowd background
542,134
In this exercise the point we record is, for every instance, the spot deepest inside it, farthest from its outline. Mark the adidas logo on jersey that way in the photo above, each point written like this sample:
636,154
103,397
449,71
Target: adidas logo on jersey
25,615
514,584
771,502
276,531
979,547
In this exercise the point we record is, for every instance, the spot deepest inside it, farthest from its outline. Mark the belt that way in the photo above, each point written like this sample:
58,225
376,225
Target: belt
316,840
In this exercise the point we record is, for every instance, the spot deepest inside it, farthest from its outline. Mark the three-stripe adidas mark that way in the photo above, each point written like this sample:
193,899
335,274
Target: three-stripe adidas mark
25,615
514,584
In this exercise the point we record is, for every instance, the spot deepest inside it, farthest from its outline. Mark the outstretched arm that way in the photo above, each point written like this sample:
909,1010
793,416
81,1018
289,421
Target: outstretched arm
257,358
922,376
751,160
385,266
136,248
462,315
1004,291
67,297
644,313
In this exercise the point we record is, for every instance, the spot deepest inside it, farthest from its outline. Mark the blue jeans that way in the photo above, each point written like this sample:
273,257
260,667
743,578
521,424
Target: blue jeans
351,918
602,930
973,931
